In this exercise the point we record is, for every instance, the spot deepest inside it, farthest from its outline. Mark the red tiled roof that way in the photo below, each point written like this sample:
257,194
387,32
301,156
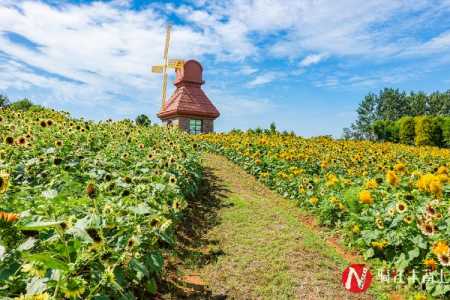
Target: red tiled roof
189,98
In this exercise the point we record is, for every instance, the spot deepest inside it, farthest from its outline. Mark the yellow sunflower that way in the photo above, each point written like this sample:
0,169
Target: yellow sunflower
4,182
365,197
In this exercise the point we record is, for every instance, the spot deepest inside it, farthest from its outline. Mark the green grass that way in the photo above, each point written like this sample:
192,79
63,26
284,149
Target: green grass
242,241
264,250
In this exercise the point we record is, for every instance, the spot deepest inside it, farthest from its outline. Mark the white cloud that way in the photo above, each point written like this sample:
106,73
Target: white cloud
312,59
105,45
247,70
110,47
437,44
264,79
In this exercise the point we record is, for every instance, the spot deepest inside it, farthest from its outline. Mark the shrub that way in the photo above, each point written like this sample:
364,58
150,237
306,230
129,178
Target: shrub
386,130
393,130
445,125
406,130
24,105
143,120
428,131
379,129
436,134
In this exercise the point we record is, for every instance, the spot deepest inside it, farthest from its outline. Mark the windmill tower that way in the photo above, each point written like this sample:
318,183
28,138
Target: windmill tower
188,108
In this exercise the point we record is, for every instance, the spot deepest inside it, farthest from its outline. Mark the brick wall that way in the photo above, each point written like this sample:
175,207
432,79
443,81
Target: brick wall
183,123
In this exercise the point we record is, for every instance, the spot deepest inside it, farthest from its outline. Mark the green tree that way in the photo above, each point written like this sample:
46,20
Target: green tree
393,105
407,131
4,101
24,104
439,103
367,114
424,131
446,131
273,128
385,130
143,120
418,104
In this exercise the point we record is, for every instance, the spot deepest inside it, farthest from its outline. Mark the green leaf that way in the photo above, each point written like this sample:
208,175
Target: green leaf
414,253
27,245
139,268
81,233
36,285
2,252
39,225
47,260
151,286
419,242
369,253
402,262
441,289
155,262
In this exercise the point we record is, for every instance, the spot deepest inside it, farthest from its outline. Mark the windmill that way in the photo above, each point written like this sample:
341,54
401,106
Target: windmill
167,63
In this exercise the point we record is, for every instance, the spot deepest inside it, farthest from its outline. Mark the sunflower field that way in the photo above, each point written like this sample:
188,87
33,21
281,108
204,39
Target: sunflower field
390,201
87,210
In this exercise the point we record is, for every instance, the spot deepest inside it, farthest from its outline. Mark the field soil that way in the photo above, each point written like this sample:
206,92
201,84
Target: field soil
240,240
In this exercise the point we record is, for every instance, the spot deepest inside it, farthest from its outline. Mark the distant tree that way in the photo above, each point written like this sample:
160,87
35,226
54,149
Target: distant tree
367,114
418,104
446,131
4,101
392,105
439,103
273,128
24,104
234,130
143,120
407,129
347,134
258,130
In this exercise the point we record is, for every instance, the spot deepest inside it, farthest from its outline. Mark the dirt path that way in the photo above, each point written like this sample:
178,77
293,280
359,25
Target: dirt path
243,241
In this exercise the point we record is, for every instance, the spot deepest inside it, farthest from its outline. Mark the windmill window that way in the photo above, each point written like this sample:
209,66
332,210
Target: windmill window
195,126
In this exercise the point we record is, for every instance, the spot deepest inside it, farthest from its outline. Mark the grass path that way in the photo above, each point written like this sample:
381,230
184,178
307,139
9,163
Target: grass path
243,241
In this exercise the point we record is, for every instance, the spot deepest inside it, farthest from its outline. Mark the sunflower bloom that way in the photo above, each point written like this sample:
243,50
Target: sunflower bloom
400,167
428,228
365,197
401,207
442,170
440,248
392,178
436,187
313,200
74,288
4,182
380,245
430,263
371,184
44,296
8,217
444,259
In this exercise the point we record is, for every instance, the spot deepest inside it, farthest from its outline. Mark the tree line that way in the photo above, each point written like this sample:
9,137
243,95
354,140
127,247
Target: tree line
396,116
26,104
22,104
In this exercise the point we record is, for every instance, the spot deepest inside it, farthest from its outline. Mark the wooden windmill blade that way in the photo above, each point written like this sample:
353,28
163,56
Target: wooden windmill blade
166,61
157,69
176,64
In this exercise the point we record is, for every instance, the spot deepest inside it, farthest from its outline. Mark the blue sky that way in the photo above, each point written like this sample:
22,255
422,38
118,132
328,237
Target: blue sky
303,64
